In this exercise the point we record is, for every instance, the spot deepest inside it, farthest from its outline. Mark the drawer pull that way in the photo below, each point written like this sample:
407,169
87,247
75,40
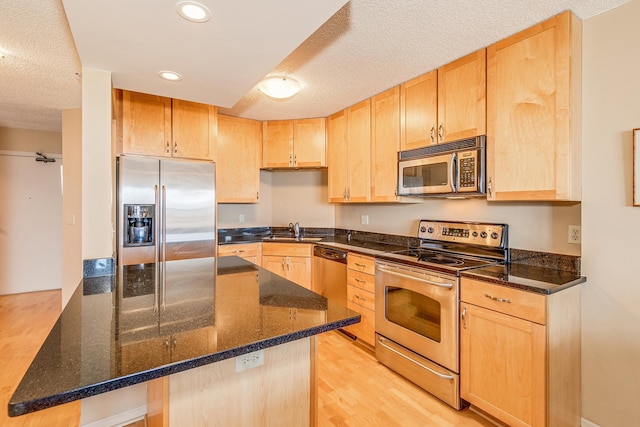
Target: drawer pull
360,265
491,297
359,280
238,251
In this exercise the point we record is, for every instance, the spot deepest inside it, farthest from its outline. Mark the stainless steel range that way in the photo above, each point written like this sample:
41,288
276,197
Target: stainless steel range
417,301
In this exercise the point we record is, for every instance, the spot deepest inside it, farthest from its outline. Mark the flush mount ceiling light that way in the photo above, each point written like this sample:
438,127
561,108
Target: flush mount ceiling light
279,87
193,11
171,76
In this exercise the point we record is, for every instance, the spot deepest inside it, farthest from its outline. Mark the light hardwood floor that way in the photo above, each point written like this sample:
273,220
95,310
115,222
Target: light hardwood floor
353,388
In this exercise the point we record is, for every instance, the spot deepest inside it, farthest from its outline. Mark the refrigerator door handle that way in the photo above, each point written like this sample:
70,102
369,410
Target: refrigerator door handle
156,302
164,252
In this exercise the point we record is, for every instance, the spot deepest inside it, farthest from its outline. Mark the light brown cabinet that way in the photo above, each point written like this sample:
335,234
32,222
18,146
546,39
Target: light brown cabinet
520,353
294,144
289,260
239,151
278,320
349,146
446,104
153,125
385,143
252,252
534,113
361,295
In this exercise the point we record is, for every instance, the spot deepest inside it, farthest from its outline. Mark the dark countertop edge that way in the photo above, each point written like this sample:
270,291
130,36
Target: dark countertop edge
477,274
22,408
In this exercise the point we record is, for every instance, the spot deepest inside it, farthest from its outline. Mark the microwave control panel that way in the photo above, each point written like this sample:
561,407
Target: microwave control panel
468,170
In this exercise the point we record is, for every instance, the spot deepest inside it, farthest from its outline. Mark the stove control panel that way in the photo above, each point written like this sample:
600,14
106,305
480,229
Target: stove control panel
474,233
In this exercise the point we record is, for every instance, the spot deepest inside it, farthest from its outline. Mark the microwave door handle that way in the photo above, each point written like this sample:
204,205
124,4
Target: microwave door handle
453,173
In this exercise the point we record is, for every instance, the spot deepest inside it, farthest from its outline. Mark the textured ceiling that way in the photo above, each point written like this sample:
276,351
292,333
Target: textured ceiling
366,47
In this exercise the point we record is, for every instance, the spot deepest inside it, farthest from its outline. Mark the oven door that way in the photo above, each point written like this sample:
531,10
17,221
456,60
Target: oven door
428,175
418,309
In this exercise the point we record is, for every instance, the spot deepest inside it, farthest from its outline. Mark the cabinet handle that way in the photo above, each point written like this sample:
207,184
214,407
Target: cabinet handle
174,343
166,343
295,160
344,194
238,251
294,312
440,132
290,159
359,280
360,265
348,194
288,264
283,263
175,147
489,185
464,318
257,195
491,297
168,148
433,134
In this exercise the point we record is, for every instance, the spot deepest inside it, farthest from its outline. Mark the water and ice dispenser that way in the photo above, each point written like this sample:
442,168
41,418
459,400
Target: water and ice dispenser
139,225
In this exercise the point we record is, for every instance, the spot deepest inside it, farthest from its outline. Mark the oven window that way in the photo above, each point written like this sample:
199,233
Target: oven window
430,175
413,311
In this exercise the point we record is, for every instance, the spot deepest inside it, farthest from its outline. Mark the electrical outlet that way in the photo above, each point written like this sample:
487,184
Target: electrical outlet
364,219
575,234
249,360
241,218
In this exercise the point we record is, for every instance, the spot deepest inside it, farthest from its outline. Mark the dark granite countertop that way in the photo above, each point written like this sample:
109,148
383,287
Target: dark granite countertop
530,278
109,337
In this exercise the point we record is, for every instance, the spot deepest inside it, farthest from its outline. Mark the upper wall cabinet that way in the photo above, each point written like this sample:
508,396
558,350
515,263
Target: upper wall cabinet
153,125
445,105
349,147
534,113
294,144
238,171
385,143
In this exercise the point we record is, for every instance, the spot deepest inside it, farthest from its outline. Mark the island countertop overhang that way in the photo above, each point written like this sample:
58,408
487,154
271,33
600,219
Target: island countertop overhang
244,309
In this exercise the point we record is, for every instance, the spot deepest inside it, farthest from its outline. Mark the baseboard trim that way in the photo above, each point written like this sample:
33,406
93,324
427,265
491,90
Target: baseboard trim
120,420
587,423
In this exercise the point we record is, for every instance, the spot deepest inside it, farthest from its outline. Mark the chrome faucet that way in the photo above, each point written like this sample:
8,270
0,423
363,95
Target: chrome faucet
295,228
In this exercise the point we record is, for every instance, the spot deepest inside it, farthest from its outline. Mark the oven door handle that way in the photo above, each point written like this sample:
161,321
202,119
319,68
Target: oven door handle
408,276
426,368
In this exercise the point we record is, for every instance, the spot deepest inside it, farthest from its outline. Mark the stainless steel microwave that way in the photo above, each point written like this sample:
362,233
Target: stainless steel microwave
453,169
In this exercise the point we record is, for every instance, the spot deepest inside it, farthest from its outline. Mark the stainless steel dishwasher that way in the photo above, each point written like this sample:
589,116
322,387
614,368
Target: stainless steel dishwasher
330,274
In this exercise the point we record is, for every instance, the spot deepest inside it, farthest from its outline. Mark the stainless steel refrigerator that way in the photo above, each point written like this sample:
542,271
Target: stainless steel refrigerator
166,209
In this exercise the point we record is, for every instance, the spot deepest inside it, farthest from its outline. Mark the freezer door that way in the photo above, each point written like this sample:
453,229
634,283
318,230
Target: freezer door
188,204
138,184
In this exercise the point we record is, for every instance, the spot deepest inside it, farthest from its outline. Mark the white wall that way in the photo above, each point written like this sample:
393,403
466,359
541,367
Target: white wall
71,202
97,166
255,214
301,196
611,226
533,226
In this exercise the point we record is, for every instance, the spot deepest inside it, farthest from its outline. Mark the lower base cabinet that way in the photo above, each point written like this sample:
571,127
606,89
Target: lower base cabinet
361,296
252,252
289,260
520,354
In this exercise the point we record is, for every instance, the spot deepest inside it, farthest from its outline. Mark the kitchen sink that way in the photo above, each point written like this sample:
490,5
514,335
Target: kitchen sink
291,239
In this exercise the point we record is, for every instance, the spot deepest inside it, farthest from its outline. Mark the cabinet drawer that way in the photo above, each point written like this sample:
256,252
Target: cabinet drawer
286,249
514,302
365,330
243,250
361,280
361,263
361,297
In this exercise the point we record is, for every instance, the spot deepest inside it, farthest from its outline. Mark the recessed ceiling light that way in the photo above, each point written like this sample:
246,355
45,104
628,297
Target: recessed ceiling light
279,87
172,76
193,11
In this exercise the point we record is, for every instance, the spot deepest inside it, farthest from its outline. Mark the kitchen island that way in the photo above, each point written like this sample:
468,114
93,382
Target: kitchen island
216,339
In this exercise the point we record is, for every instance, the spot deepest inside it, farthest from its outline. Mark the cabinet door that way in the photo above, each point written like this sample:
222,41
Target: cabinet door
276,264
299,270
503,365
277,144
195,127
385,143
418,111
238,155
359,152
310,143
193,343
337,156
146,124
462,99
533,113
